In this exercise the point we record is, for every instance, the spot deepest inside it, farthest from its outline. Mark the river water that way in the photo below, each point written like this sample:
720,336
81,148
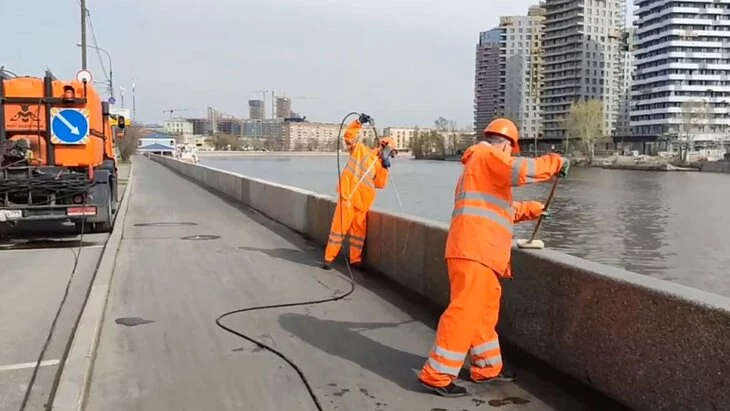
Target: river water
669,225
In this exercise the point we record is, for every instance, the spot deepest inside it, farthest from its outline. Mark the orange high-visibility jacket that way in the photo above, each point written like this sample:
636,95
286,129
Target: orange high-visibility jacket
364,164
484,213
526,210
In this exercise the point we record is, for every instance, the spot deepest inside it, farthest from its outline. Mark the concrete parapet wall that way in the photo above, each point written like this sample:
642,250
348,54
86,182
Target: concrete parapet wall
648,343
722,166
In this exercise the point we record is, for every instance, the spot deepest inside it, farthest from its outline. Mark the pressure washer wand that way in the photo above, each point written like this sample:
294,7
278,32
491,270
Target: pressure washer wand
545,207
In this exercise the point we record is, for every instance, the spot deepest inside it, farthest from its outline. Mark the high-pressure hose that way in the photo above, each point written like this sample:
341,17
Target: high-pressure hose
336,297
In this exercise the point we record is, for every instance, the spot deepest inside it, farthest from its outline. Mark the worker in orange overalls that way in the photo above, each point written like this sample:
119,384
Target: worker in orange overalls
477,254
366,170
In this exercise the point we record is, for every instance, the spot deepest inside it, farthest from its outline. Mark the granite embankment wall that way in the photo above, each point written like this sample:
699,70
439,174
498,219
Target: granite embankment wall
716,166
648,343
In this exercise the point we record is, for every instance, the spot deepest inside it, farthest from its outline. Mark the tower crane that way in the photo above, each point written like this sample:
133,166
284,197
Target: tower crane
172,110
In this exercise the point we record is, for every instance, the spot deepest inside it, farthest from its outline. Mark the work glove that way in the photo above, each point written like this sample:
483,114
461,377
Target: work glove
546,214
564,169
364,118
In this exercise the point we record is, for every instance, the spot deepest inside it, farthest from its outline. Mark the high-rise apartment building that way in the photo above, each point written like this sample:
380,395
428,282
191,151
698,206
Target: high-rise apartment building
488,91
521,58
256,110
682,83
581,60
623,125
283,107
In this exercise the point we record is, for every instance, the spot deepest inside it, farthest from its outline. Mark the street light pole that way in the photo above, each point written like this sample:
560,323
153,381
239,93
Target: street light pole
83,34
111,72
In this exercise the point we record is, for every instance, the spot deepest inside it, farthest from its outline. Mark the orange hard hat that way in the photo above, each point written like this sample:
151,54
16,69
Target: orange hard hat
503,127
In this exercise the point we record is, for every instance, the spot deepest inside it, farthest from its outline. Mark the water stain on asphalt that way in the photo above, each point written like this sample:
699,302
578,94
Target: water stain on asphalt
508,400
132,321
201,237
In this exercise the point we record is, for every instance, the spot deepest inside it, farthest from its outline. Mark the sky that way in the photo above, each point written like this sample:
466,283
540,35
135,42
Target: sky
404,62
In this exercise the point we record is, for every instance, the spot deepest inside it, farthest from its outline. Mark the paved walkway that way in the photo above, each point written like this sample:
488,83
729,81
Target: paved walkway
34,272
160,348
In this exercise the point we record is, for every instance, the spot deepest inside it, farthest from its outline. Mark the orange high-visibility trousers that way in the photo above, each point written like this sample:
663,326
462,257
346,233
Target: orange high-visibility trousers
468,325
352,222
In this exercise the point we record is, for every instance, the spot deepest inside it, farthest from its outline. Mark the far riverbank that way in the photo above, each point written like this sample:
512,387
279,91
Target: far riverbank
641,163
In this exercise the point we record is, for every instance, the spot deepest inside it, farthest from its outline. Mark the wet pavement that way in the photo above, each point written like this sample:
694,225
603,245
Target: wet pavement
160,347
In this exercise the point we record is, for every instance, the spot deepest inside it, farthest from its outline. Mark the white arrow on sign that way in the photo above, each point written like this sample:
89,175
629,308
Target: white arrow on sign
74,130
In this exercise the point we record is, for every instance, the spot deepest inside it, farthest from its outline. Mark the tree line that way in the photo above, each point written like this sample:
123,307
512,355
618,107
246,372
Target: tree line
444,140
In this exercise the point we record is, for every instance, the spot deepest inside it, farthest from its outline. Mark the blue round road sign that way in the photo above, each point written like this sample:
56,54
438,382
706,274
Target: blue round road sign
112,100
70,126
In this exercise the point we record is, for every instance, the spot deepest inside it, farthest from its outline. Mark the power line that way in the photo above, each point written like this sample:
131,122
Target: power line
96,45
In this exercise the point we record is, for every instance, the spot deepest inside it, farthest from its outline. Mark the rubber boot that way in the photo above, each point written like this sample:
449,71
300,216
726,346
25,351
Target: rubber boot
507,375
450,391
326,265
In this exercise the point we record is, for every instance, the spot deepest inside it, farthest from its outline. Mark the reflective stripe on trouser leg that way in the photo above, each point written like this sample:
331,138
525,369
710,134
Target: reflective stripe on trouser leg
486,357
356,235
340,226
459,323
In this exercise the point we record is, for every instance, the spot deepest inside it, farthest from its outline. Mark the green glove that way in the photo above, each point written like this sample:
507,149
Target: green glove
546,214
564,169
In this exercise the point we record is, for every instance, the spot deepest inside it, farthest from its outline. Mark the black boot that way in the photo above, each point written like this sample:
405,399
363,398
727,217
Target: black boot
449,391
326,265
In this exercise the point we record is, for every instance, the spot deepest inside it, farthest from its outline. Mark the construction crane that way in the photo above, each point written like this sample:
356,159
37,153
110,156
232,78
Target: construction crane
172,110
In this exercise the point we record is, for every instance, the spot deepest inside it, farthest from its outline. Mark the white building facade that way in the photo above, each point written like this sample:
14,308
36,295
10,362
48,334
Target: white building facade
623,125
522,59
178,126
682,82
402,136
301,136
581,60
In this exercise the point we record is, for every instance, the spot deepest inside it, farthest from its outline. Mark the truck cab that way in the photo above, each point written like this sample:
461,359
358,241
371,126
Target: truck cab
57,153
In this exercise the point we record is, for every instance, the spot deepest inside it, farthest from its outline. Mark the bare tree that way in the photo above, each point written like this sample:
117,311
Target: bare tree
694,117
312,144
128,142
447,129
222,141
585,122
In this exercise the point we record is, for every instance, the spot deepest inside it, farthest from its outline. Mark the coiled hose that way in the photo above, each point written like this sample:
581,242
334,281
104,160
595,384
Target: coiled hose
351,280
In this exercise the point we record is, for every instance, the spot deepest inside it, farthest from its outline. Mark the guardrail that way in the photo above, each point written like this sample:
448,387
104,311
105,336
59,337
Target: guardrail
648,343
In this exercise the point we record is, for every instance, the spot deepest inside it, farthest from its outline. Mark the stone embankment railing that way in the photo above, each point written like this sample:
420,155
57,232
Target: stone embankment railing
648,343
722,166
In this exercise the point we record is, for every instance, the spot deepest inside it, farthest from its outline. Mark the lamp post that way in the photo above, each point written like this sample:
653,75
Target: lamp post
111,72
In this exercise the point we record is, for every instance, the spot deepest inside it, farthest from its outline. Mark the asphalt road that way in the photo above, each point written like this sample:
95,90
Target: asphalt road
35,270
160,348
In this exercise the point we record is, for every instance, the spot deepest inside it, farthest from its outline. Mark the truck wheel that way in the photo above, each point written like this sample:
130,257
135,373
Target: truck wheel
115,194
106,225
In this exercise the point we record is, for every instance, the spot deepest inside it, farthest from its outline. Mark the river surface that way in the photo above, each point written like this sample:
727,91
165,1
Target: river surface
669,225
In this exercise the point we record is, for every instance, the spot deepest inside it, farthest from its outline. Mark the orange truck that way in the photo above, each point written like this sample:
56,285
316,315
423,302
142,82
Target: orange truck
57,153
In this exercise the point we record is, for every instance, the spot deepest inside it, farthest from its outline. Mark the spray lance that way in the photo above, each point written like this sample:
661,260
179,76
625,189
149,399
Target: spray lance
364,118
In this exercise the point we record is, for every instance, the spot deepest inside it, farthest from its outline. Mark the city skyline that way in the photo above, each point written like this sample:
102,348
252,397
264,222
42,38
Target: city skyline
410,63
663,79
